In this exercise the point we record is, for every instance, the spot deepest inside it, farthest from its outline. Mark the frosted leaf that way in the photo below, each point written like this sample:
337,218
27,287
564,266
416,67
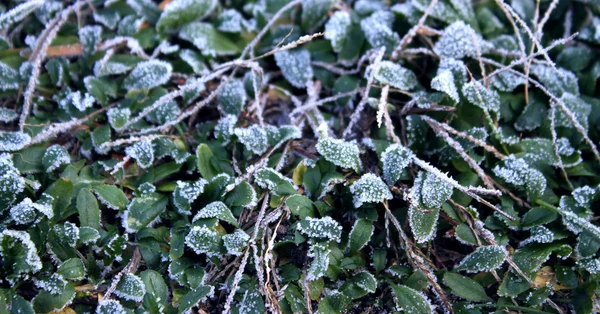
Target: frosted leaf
54,284
564,147
142,152
11,182
180,12
321,228
369,189
204,241
295,65
186,193
254,138
457,67
411,301
423,223
477,94
365,281
207,39
458,41
516,171
268,178
337,29
54,157
131,287
112,66
164,113
216,210
17,250
591,265
393,74
67,233
90,37
430,191
364,7
235,242
251,303
13,141
79,102
442,10
109,18
18,13
48,10
193,60
230,21
577,224
484,258
148,74
539,234
444,82
224,129
146,188
281,134
118,117
395,158
584,195
24,212
320,255
88,235
314,12
340,153
9,77
580,109
556,83
44,205
107,306
507,81
378,30
8,115
232,97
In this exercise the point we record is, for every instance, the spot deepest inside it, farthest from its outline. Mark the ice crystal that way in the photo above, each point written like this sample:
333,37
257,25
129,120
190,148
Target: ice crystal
179,12
250,302
459,40
13,141
337,29
378,30
507,81
369,189
146,188
164,113
193,60
48,10
75,99
484,258
395,75
321,228
186,193
365,281
90,37
148,74
477,94
54,157
584,195
232,97
235,242
130,287
24,212
444,82
591,265
107,306
218,210
395,158
207,39
254,138
295,66
203,241
142,152
67,233
516,171
340,153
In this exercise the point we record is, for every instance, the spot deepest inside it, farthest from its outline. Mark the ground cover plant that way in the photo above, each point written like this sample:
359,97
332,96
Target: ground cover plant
316,156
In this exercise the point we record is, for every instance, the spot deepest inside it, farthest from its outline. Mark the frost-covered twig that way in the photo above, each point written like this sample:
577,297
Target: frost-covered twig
407,39
132,43
18,13
382,106
131,139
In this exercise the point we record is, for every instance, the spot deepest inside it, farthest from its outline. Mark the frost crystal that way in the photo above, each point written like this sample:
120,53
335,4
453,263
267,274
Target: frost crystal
516,171
186,193
55,284
295,66
444,82
395,158
75,99
146,188
394,75
142,152
203,241
108,18
459,40
206,38
484,258
54,157
131,287
369,189
507,81
194,60
90,37
236,242
218,210
67,233
13,141
254,138
337,29
18,13
7,115
480,96
340,153
378,30
584,195
110,307
321,228
148,74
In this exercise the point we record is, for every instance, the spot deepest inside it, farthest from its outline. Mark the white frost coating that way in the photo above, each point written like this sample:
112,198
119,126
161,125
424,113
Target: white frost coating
580,109
507,81
230,21
235,242
68,233
232,97
215,209
108,18
13,141
185,193
193,60
89,37
250,302
577,224
564,147
322,228
477,94
78,101
339,152
484,258
8,77
23,213
516,171
11,182
265,178
444,82
459,41
366,284
430,190
118,117
378,30
394,75
18,13
22,238
584,195
130,287
7,114
295,66
54,157
591,265
337,29
107,306
142,152
148,74
254,138
539,234
55,284
557,84
320,254
225,128
370,189
146,188
203,240
395,158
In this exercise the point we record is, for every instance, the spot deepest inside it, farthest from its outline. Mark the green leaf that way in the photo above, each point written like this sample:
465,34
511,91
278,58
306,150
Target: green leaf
300,205
111,196
369,189
143,211
46,302
204,241
295,65
321,228
130,287
254,138
242,194
87,207
395,159
216,210
54,157
9,78
340,153
232,97
531,257
360,234
236,242
148,74
411,300
180,12
465,287
205,154
156,295
423,223
206,38
314,12
72,269
538,216
396,76
19,255
268,178
195,297
465,234
484,258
